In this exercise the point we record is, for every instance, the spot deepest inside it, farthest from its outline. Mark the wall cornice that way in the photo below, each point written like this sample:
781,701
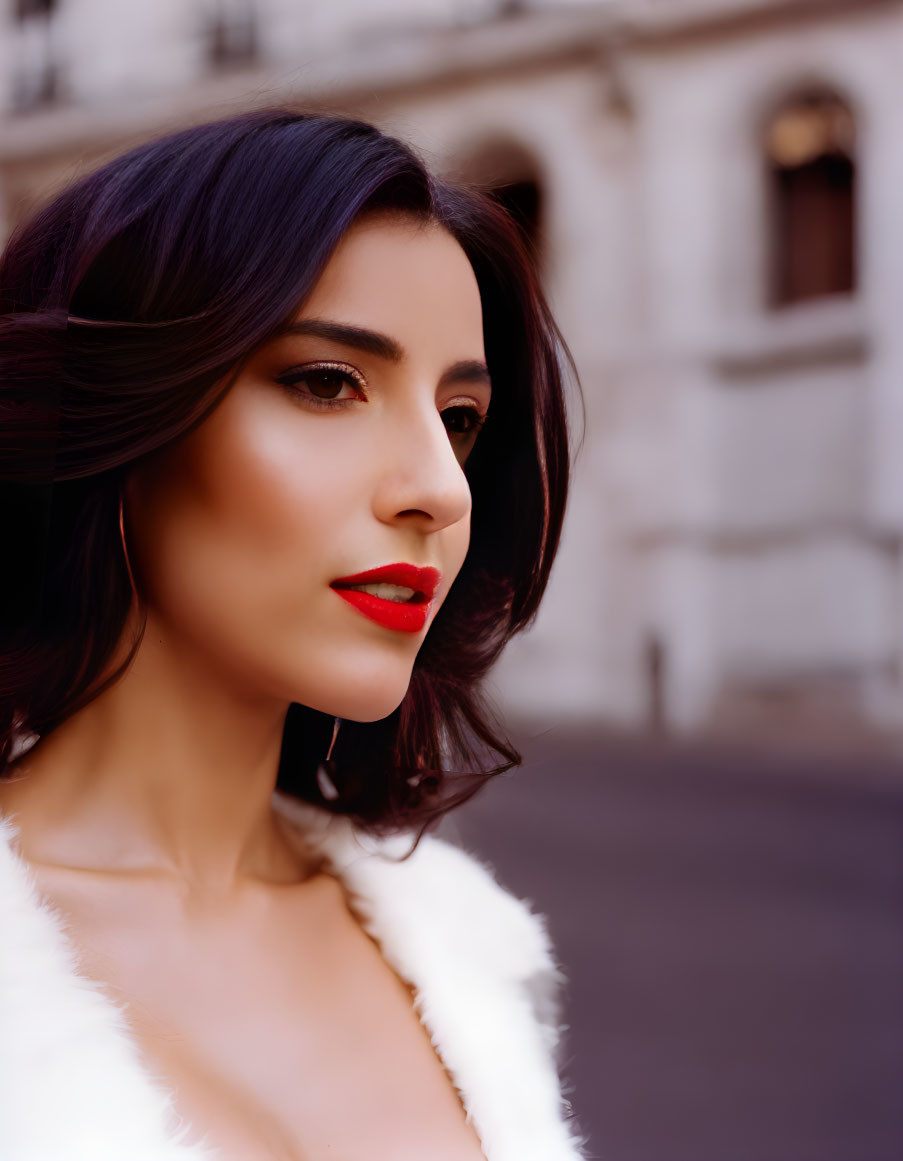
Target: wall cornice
357,73
675,22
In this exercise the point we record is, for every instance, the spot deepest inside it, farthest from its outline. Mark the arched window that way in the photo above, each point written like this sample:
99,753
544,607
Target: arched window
509,174
523,200
810,147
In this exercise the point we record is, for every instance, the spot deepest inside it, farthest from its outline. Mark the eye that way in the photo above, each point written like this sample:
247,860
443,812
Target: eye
318,384
463,420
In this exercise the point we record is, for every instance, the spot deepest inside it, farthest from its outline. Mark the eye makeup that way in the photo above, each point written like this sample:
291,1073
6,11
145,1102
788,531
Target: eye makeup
325,375
332,375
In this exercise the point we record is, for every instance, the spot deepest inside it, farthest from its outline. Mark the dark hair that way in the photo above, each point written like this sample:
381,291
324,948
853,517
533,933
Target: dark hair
126,304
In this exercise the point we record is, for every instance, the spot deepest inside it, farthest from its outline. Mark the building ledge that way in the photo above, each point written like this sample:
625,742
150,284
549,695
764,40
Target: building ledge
332,76
666,22
825,333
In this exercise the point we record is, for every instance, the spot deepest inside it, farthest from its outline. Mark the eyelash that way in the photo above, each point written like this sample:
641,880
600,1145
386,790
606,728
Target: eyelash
291,379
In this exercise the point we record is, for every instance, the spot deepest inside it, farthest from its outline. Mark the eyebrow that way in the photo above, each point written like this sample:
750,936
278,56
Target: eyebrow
383,346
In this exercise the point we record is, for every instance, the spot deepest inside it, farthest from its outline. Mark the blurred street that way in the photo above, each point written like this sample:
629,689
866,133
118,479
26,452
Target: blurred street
731,928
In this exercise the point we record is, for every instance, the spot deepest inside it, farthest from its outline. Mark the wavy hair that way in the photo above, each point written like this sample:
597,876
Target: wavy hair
126,303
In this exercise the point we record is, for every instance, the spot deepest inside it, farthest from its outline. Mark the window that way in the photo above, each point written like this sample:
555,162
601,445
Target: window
523,200
811,165
232,33
26,9
36,75
509,173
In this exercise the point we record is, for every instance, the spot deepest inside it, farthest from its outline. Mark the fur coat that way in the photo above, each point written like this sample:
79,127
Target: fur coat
72,1083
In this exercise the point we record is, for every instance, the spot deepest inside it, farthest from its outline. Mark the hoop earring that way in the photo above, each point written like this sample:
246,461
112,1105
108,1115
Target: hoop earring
125,551
325,783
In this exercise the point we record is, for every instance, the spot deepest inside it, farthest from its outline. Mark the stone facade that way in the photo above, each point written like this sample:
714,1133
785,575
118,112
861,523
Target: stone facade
733,555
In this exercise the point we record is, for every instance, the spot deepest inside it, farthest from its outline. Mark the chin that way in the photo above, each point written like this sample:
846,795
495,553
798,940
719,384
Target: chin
369,710
370,704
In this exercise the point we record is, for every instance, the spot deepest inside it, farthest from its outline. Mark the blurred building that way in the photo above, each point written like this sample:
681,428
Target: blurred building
712,187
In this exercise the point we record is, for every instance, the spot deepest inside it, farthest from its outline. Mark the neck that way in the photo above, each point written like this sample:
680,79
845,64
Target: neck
170,770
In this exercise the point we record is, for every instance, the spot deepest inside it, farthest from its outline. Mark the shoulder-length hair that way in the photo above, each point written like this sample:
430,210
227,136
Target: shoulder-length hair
126,304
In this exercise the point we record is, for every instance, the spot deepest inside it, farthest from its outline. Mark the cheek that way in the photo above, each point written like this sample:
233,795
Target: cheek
242,520
458,543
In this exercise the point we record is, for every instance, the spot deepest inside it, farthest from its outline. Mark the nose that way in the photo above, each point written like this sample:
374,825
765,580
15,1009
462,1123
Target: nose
421,481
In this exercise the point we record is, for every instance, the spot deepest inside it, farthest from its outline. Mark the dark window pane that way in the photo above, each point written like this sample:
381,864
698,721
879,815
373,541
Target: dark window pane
27,8
232,38
812,175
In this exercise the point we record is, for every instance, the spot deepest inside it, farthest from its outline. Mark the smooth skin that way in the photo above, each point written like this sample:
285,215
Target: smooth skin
251,987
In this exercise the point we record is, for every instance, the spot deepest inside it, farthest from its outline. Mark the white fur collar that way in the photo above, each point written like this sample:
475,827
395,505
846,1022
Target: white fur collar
72,1083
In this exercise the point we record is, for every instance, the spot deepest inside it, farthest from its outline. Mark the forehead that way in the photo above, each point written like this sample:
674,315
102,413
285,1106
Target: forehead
407,278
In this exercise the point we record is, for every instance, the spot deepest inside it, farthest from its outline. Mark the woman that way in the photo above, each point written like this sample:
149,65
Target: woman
285,462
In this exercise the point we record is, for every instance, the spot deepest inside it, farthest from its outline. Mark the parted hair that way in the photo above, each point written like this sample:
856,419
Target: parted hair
128,299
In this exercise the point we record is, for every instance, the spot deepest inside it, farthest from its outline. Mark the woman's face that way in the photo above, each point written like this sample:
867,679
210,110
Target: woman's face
238,530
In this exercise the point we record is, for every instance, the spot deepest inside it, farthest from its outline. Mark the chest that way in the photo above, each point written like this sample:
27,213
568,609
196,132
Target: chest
282,1033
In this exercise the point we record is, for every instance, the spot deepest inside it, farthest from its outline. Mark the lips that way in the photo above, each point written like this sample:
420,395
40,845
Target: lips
424,581
404,616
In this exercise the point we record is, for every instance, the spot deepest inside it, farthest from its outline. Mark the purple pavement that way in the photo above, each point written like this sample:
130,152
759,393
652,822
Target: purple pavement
732,930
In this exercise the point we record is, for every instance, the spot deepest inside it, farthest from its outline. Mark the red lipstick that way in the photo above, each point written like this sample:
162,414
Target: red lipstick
405,616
